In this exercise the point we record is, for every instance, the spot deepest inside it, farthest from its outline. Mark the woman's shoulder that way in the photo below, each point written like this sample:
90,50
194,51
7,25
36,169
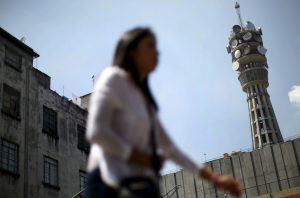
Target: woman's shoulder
112,76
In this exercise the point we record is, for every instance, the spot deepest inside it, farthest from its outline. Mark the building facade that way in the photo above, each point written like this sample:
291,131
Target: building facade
43,151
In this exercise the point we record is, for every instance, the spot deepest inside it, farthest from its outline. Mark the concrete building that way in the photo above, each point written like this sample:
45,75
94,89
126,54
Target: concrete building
43,152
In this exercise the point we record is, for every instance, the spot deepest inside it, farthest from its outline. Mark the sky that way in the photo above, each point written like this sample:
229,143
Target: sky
201,101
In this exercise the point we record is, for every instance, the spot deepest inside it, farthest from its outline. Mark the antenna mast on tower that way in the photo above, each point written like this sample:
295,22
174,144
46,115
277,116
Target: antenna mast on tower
238,11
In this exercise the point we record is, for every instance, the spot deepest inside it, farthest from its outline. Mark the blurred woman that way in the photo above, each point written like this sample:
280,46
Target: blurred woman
128,141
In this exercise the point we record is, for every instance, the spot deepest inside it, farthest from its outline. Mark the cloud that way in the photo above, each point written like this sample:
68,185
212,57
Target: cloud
294,95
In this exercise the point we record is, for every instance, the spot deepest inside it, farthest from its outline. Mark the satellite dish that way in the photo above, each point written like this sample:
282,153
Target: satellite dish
236,29
247,50
261,50
249,26
234,43
232,34
235,66
23,39
247,36
237,54
257,38
259,30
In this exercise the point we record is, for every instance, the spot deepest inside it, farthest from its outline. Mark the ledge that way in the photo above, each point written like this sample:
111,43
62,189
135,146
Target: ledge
13,67
86,150
14,175
54,136
10,115
51,186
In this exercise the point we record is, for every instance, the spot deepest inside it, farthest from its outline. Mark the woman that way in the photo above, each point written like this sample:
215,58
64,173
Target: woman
128,141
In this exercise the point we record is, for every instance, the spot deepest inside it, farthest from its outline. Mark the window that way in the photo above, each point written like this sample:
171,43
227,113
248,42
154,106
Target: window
11,102
82,144
270,137
264,112
255,100
273,124
82,181
50,122
50,172
264,140
13,59
258,114
271,112
9,157
267,125
261,125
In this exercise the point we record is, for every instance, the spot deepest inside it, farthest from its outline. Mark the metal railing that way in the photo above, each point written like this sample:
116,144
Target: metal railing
171,192
290,138
77,195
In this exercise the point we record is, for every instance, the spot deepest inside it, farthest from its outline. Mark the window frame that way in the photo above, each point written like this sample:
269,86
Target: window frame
82,144
11,97
82,174
50,118
49,174
17,65
7,170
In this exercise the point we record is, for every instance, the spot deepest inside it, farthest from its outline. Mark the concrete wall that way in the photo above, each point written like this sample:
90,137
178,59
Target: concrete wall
12,129
269,170
64,149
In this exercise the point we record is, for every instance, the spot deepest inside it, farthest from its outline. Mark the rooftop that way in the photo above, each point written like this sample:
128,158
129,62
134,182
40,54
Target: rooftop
18,43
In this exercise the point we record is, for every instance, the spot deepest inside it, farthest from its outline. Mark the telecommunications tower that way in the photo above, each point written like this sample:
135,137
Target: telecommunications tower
249,60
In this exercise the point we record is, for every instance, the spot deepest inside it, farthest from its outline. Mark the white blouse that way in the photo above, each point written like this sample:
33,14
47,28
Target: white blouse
118,121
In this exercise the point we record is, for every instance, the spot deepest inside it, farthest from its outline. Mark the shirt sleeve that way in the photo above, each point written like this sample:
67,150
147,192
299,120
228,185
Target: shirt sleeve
172,152
103,104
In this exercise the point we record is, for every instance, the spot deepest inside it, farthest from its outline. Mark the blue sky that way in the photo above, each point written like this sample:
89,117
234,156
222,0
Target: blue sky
201,101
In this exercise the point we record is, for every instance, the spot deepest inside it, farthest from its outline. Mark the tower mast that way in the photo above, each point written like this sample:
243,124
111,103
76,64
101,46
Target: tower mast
250,62
238,12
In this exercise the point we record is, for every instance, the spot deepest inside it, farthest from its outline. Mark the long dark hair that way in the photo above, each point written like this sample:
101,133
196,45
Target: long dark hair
122,58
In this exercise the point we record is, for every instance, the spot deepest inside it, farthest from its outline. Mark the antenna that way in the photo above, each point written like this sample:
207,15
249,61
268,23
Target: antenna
93,78
23,39
238,11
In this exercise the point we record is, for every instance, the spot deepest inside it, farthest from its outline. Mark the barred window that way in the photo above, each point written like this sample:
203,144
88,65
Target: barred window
11,101
82,181
9,156
82,144
13,59
50,171
50,122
